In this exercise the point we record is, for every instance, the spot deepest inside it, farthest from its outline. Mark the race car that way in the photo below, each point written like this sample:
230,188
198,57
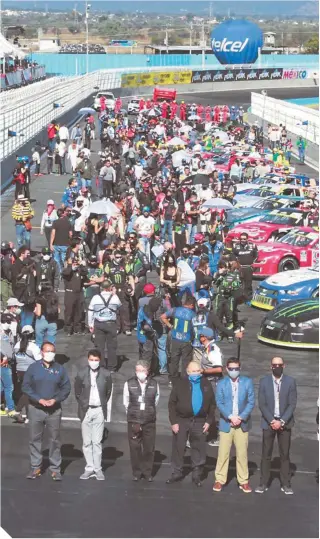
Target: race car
270,227
283,287
133,106
297,249
110,100
260,208
293,325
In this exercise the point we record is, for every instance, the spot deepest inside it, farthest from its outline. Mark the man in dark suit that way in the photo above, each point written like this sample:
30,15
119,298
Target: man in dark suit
277,403
93,387
191,412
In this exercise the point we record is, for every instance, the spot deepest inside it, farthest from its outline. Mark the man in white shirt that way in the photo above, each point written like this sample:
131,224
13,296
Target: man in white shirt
93,389
144,225
64,134
140,398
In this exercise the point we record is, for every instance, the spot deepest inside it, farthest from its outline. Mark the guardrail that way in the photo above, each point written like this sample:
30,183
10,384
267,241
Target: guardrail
26,111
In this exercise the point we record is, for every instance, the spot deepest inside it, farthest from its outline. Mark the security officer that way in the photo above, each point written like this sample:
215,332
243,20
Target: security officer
74,275
246,253
47,270
119,272
7,259
227,283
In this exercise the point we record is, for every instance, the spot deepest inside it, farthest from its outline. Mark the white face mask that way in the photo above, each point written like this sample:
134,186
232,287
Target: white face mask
49,357
46,257
142,376
94,364
18,310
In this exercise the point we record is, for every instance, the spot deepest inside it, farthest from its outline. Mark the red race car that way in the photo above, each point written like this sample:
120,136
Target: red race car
270,227
297,249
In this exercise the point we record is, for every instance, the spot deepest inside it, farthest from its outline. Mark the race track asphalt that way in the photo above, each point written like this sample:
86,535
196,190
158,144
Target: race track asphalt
119,508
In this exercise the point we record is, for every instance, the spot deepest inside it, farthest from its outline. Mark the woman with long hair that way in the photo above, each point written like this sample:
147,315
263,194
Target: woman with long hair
203,277
26,353
170,275
47,315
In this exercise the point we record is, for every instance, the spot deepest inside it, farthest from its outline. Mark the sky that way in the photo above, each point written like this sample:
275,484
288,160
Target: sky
199,7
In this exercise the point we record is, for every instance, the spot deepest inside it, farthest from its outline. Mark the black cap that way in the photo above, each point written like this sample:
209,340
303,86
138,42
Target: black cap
46,251
93,258
5,246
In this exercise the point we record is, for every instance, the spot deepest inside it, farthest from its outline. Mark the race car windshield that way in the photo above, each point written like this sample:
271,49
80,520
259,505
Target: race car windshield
299,239
266,205
258,192
283,219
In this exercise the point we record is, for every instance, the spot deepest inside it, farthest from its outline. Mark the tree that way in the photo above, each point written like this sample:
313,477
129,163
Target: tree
312,45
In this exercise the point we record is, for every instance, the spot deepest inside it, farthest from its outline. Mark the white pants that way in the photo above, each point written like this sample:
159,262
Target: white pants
92,431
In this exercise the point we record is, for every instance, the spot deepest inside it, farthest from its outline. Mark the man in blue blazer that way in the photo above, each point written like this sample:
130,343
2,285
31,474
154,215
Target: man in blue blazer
277,403
235,401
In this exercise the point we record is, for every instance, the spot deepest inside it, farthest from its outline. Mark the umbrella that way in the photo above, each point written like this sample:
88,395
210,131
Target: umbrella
87,110
200,179
219,203
176,141
194,117
221,134
104,207
177,158
154,112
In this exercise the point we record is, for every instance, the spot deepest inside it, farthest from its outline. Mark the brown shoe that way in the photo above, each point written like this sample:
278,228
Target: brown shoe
217,487
246,488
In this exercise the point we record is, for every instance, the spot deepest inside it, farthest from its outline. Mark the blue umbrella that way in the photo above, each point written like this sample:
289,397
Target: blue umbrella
86,110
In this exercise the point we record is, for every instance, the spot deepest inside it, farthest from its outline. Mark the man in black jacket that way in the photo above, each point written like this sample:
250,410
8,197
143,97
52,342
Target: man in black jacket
191,412
24,284
140,398
47,270
93,388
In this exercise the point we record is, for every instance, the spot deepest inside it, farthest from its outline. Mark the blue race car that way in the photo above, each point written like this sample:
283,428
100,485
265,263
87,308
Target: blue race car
286,286
260,208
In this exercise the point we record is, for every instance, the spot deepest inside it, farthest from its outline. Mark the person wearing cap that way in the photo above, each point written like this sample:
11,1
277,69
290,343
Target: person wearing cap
47,270
26,353
149,329
14,309
22,213
6,347
95,276
47,385
48,217
144,226
102,322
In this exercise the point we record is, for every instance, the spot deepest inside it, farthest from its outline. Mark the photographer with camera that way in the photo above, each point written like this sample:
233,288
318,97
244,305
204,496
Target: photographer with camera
24,284
74,275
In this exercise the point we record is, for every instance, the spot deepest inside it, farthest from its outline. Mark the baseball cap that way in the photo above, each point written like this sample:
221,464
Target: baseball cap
14,302
27,329
50,202
146,209
46,251
5,245
149,288
21,197
206,332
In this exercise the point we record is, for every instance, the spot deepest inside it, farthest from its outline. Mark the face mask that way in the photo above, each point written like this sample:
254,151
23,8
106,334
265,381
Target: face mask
185,255
46,257
194,377
234,374
49,357
94,365
277,371
142,376
18,310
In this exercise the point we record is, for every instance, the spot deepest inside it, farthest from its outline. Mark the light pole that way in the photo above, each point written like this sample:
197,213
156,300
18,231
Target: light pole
88,6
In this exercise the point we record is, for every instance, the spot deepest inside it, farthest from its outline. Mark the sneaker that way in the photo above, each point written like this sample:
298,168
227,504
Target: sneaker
13,413
56,476
261,489
188,444
214,443
3,412
128,333
26,421
100,475
87,475
170,385
19,419
287,490
34,473
217,487
246,488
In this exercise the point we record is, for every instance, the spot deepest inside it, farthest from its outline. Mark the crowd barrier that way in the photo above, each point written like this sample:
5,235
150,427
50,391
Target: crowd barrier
21,77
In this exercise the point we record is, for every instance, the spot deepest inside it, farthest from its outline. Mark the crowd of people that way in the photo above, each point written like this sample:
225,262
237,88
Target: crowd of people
81,48
141,208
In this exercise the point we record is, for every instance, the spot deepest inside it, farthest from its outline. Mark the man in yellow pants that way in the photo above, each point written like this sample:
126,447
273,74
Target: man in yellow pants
235,401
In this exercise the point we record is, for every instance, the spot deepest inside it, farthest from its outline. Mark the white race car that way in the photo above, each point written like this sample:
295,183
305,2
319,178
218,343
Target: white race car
133,106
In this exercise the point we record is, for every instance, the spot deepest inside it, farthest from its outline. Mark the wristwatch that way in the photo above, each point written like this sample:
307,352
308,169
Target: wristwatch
282,422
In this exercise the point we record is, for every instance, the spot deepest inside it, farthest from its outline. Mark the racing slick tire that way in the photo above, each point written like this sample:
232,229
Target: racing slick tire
288,263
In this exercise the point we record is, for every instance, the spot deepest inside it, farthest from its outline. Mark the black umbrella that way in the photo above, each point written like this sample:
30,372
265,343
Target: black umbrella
201,179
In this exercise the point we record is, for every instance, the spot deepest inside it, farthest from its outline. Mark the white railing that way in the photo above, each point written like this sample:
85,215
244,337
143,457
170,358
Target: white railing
301,121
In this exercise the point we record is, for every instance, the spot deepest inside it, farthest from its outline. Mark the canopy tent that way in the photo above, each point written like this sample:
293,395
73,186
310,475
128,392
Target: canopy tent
8,50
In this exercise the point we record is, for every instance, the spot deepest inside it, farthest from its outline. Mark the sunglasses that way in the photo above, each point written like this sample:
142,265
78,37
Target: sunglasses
233,369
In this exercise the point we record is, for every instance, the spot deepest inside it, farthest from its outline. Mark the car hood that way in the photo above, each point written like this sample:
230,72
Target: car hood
290,278
242,213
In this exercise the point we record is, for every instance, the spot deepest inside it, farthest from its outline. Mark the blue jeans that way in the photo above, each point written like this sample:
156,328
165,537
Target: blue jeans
59,255
27,316
86,183
301,154
189,288
162,352
166,229
51,144
192,230
45,331
145,244
7,387
23,236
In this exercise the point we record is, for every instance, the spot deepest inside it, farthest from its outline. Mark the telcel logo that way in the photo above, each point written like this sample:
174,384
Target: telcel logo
228,46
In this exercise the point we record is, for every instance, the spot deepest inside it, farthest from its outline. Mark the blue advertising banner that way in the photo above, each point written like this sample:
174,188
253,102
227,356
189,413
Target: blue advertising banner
236,42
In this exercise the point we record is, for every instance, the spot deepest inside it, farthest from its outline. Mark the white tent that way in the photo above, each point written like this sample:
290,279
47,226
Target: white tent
8,50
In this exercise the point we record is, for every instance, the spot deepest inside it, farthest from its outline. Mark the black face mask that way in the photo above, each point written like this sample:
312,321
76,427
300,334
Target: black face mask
185,255
277,371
